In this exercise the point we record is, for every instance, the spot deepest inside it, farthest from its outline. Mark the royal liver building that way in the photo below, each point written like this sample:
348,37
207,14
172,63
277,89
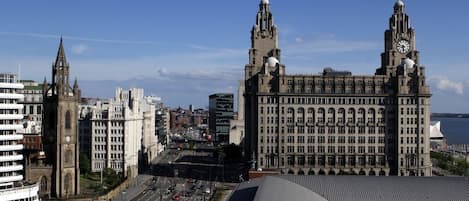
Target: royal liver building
337,123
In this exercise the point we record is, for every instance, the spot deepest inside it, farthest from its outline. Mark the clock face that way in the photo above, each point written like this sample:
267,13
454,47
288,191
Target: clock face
403,46
67,138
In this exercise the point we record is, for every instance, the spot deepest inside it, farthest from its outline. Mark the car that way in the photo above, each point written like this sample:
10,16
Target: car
176,197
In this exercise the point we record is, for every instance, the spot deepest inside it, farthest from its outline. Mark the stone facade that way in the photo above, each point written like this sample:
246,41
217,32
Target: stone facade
237,124
60,128
334,122
32,103
120,131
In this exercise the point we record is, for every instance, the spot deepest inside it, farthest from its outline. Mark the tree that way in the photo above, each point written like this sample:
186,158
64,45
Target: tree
111,177
85,166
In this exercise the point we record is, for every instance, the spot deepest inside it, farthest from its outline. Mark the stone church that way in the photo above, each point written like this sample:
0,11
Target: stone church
335,122
57,169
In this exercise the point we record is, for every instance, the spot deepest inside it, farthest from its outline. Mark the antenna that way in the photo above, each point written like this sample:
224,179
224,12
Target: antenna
19,72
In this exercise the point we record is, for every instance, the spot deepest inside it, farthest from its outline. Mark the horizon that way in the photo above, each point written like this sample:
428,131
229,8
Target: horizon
185,58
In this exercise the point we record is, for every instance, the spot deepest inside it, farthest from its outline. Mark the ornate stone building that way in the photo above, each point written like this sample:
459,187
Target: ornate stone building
60,128
337,123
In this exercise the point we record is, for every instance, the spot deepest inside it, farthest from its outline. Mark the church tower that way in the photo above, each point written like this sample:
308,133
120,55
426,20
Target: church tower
399,42
60,128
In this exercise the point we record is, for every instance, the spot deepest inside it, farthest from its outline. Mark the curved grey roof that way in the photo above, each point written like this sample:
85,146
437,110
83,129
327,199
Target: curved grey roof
275,188
348,188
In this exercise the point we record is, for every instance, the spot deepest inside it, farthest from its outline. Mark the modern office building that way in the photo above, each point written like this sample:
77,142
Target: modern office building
220,114
336,122
12,186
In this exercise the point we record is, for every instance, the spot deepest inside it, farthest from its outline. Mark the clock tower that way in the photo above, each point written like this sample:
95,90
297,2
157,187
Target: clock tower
399,42
264,40
60,128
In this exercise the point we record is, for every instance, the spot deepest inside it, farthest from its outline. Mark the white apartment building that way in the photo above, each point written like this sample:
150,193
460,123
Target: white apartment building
12,187
121,131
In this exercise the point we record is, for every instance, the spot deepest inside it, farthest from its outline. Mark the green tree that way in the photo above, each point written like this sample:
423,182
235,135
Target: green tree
111,177
85,165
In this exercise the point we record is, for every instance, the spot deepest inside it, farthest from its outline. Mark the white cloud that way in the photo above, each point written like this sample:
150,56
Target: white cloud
77,38
445,84
299,40
79,49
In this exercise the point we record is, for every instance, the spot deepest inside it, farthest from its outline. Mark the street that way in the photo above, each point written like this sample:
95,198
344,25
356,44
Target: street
180,174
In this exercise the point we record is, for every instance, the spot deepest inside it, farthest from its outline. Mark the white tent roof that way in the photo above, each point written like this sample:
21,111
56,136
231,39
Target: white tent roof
435,130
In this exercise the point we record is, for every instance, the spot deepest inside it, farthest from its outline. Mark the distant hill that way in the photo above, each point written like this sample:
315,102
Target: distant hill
450,115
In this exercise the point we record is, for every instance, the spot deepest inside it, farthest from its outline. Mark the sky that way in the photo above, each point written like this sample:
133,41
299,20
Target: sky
183,51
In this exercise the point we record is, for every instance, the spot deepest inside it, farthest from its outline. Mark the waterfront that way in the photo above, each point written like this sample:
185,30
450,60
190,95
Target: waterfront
456,130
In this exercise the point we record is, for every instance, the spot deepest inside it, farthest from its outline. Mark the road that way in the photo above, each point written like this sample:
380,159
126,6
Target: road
135,188
166,188
189,175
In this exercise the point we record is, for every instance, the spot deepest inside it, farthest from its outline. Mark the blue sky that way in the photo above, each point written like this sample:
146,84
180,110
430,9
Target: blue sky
185,50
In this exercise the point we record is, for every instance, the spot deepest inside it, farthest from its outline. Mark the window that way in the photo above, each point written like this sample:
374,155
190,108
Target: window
310,139
301,149
68,157
39,109
301,139
43,185
321,139
67,182
68,120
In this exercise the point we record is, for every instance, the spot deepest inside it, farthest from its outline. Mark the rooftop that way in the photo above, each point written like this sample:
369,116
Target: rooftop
341,188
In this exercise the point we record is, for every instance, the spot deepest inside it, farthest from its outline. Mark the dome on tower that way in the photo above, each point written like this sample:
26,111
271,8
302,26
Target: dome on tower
399,3
272,62
408,62
265,1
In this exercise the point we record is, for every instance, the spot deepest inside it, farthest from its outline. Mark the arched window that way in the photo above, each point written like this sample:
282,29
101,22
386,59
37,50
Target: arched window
311,115
321,115
341,115
361,115
372,115
331,115
351,116
68,156
43,185
68,120
301,115
67,183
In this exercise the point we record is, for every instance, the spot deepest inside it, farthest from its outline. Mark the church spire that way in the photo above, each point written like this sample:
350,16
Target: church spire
60,72
61,54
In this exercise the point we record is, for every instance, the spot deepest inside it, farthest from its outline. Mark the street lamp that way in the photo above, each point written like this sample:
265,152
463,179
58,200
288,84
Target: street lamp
123,195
